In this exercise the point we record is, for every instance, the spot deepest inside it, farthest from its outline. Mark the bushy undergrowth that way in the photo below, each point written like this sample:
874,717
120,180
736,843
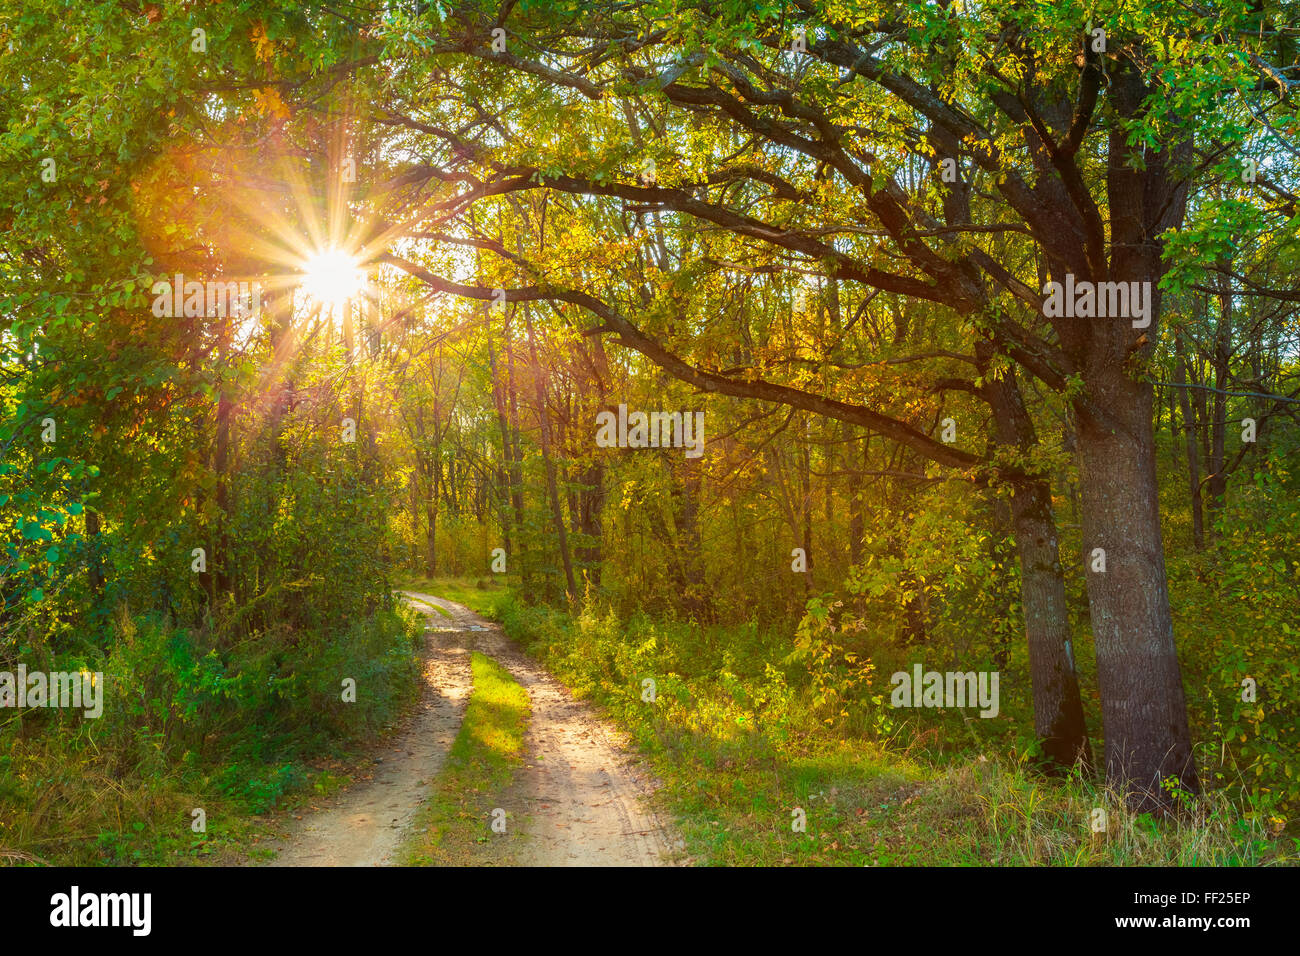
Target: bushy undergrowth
744,733
1237,615
192,720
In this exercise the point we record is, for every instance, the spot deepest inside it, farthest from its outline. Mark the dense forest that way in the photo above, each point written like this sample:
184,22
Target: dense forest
747,362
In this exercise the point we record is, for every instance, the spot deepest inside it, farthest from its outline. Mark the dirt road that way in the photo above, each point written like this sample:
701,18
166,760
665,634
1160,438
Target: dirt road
580,798
365,824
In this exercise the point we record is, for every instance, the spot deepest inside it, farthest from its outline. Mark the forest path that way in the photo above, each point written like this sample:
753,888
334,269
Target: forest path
579,799
365,824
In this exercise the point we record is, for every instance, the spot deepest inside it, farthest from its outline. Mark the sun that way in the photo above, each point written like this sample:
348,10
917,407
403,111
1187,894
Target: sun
332,277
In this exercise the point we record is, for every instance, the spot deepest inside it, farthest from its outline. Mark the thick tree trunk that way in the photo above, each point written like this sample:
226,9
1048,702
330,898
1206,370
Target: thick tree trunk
1143,709
1144,713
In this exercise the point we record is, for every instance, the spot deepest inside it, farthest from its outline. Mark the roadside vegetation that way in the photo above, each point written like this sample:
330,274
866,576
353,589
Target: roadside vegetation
743,733
194,722
722,351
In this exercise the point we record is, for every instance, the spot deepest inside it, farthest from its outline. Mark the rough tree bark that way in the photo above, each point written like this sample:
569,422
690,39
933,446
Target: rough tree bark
1144,712
1058,706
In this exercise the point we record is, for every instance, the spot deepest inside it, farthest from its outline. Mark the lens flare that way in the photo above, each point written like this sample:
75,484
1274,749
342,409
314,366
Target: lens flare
332,277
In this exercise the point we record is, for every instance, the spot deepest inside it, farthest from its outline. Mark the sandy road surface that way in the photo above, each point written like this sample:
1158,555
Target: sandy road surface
579,799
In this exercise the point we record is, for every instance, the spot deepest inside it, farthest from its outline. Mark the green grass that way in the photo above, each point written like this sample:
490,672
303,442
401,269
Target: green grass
237,733
432,607
481,595
454,827
862,806
740,743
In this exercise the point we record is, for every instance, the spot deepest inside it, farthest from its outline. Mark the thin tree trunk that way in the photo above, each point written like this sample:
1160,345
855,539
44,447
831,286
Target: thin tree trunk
514,457
857,523
217,579
806,506
503,471
94,563
1059,721
431,519
552,487
1217,482
1193,459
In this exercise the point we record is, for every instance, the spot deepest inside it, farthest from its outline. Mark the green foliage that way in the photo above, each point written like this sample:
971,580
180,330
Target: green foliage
191,722
738,749
1247,585
838,678
808,202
